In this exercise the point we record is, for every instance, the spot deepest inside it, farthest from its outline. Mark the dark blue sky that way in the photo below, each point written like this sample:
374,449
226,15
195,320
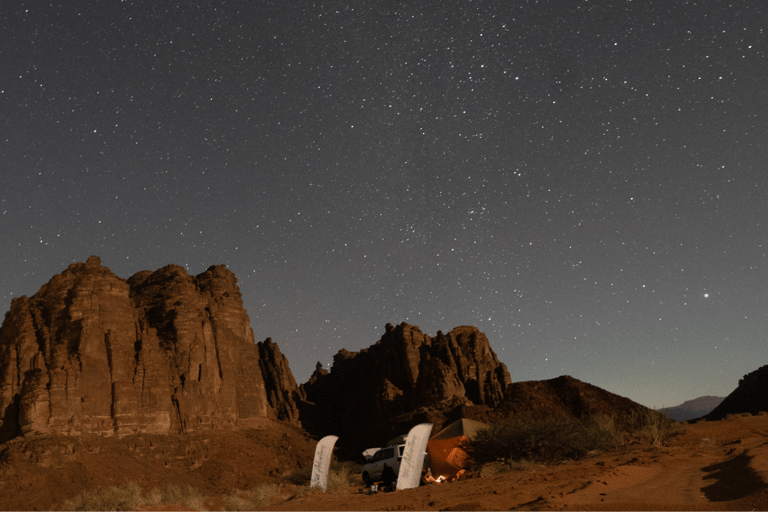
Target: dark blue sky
585,182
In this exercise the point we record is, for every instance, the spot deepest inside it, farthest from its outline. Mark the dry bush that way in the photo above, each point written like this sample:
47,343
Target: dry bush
131,497
182,495
127,497
341,474
655,426
258,497
299,476
543,441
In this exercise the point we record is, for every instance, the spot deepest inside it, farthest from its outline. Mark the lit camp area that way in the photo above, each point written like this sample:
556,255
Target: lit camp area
447,459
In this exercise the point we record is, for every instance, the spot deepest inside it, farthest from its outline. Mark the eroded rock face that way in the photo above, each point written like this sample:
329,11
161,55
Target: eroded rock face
751,396
281,387
403,372
160,352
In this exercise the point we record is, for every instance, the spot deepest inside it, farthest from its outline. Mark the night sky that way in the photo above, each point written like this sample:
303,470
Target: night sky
584,181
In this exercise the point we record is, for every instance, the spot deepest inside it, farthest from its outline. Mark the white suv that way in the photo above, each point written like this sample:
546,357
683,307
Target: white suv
383,465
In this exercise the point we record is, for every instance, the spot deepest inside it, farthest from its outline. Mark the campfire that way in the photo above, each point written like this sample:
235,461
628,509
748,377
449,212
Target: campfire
442,478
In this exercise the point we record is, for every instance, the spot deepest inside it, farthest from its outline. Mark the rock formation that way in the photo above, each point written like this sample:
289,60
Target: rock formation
282,391
160,352
561,396
750,396
403,372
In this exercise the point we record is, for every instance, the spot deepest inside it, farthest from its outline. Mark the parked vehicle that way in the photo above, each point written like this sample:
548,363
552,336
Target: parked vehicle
383,465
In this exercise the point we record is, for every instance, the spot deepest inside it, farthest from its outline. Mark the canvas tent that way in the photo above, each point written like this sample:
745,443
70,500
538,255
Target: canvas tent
446,458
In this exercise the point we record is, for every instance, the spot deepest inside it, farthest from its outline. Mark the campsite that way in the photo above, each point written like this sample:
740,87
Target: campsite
709,465
719,465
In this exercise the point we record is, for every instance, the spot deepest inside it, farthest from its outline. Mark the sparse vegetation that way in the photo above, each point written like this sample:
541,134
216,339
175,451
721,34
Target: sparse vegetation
341,474
183,495
543,441
258,497
126,497
131,497
655,426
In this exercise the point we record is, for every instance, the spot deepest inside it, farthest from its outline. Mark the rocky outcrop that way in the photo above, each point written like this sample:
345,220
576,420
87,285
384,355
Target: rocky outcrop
282,390
160,352
405,371
750,396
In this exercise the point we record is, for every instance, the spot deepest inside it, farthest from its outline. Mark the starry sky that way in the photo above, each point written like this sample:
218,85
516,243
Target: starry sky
584,181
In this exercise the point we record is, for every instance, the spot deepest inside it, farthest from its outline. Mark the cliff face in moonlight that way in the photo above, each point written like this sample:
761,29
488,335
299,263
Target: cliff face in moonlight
159,352
406,370
750,396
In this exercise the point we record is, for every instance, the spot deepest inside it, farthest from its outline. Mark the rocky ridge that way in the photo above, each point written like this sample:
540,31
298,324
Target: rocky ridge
750,396
165,352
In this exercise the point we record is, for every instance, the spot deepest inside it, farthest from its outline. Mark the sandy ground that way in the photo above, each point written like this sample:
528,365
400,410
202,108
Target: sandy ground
720,465
707,466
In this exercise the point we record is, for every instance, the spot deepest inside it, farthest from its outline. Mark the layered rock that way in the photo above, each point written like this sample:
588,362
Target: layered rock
750,396
282,390
160,352
403,372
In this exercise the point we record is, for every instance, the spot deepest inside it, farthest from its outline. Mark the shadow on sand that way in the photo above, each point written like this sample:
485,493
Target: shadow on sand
734,479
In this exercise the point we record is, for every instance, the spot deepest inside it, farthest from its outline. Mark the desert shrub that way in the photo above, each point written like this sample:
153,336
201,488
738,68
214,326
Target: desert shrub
299,476
126,497
762,413
131,497
542,440
652,424
182,495
258,497
341,474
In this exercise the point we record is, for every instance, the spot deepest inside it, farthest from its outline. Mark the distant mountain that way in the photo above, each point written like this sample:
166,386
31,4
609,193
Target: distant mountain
750,396
692,409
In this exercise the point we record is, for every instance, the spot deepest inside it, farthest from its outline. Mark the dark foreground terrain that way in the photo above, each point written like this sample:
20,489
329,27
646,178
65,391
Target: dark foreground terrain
719,465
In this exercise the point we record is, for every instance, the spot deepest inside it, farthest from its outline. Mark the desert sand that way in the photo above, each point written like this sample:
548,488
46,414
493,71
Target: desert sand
719,465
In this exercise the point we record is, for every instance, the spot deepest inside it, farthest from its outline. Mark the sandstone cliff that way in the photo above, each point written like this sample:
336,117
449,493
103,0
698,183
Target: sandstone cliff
750,396
404,372
160,352
282,391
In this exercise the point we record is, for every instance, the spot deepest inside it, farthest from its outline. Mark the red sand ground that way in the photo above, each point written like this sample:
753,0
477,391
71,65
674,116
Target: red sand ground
708,466
719,465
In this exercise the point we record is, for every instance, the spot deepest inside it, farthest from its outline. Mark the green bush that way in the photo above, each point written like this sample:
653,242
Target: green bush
543,440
